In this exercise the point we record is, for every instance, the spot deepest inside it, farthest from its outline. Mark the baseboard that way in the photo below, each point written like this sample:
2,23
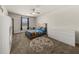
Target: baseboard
61,42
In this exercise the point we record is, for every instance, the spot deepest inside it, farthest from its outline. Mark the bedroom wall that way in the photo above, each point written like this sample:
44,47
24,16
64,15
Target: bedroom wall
4,12
5,38
5,34
17,22
62,20
32,21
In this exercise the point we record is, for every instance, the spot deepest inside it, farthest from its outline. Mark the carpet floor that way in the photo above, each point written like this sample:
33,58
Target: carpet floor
21,45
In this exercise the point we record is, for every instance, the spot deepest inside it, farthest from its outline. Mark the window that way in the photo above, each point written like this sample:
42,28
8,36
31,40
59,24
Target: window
24,23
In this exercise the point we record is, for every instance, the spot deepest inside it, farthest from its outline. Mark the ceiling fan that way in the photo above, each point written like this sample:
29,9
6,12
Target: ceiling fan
35,12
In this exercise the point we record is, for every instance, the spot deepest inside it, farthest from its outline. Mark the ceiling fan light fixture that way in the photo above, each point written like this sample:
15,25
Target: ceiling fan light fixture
33,13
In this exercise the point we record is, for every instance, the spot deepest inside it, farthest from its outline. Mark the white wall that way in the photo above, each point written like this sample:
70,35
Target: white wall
5,34
32,21
17,22
66,18
66,36
4,12
5,31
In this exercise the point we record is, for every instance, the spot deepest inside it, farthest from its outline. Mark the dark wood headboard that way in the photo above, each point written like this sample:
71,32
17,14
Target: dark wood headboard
46,27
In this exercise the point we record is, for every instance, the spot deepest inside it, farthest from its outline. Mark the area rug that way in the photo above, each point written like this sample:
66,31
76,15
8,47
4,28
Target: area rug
42,45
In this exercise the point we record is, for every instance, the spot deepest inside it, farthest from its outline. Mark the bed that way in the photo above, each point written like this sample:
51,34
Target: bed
36,32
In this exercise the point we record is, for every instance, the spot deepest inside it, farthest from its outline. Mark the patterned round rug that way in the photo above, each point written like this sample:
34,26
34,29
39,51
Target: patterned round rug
42,45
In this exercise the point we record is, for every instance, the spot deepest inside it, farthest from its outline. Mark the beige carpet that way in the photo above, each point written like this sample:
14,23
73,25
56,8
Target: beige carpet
21,45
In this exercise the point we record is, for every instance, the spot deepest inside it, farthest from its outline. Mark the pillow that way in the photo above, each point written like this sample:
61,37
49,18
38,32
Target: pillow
38,28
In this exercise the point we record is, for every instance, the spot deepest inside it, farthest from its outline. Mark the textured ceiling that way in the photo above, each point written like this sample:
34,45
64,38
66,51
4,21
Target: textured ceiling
27,9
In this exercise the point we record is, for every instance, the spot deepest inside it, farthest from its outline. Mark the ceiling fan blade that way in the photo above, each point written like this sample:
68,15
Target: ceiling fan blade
33,10
38,12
